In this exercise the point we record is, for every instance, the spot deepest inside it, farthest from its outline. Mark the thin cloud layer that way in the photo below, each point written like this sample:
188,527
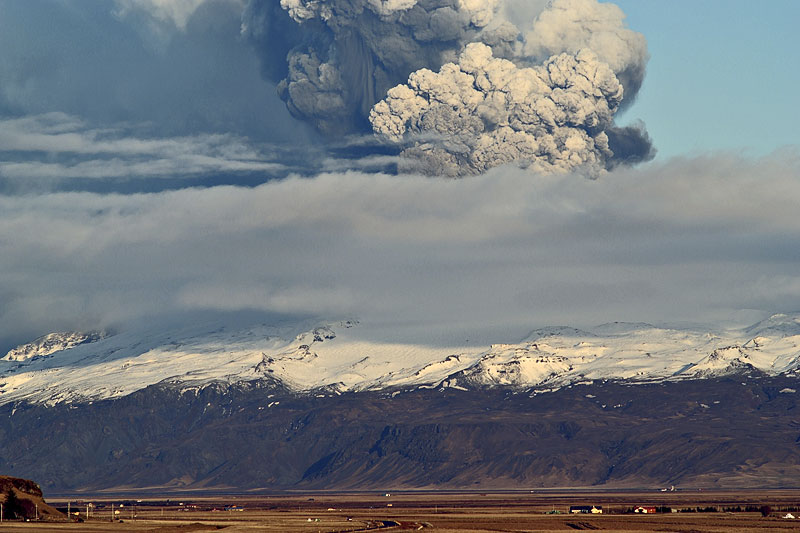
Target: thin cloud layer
56,146
695,239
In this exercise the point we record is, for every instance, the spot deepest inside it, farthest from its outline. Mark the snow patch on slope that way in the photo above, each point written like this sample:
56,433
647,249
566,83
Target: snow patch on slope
51,343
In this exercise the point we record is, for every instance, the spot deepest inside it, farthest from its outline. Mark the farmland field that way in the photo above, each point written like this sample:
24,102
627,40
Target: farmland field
698,512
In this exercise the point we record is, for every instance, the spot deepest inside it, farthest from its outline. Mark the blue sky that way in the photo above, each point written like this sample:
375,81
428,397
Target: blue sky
723,74
148,168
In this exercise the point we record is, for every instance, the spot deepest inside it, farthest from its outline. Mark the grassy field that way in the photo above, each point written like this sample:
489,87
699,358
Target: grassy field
434,512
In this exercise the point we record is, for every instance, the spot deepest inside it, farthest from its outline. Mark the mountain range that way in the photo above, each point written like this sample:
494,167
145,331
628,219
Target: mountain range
343,404
345,356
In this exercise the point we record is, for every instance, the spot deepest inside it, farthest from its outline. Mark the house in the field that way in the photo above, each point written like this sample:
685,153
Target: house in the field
645,510
586,509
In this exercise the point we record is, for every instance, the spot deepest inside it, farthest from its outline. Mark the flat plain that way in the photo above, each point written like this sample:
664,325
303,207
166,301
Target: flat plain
452,512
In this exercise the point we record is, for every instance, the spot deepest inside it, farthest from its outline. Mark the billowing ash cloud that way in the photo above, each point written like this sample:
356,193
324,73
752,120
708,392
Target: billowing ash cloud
334,59
485,111
543,96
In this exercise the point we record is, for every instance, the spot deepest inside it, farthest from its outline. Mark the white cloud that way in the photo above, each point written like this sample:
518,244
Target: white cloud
174,12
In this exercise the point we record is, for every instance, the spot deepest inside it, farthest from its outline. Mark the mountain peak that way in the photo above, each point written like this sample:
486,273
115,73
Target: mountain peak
52,343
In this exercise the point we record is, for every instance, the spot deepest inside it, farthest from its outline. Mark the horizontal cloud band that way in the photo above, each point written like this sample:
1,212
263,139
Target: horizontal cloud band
495,251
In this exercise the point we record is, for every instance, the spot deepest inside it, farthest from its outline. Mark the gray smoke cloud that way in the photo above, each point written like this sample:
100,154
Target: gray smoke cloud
630,144
541,94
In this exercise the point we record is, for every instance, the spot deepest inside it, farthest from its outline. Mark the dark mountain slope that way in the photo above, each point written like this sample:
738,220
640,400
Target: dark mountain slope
711,433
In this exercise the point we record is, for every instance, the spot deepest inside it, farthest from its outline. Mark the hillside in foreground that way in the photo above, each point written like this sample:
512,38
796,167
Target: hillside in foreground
22,499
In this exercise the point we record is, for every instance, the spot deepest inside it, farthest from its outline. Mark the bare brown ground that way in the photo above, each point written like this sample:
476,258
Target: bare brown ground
435,512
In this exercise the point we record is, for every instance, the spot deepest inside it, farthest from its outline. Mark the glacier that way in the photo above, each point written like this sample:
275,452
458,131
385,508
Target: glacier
338,356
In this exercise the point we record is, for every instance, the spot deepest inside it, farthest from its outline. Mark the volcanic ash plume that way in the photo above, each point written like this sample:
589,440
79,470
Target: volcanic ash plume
457,86
485,111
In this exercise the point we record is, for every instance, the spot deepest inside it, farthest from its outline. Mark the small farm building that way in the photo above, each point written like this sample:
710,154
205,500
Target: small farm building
586,509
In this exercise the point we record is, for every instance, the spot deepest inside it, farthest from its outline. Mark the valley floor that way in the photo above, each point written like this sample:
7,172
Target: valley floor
438,512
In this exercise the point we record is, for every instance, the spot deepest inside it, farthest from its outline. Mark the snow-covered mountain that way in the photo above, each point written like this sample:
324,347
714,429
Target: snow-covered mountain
338,356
